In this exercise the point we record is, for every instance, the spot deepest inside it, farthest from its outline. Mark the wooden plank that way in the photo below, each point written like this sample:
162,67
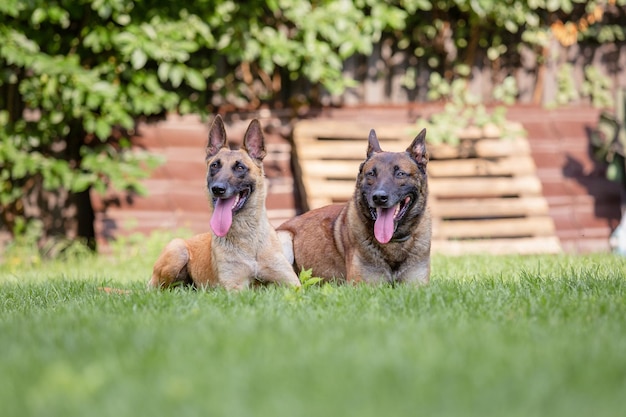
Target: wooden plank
331,169
317,202
462,208
520,246
165,219
348,169
484,187
334,190
490,207
485,148
490,148
344,149
478,167
440,188
458,208
342,129
356,131
334,150
517,227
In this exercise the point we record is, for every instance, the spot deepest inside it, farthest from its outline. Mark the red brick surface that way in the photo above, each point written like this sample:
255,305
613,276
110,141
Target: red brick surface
584,205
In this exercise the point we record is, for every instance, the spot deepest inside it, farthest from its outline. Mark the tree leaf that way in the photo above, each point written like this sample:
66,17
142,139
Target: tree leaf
176,75
103,129
138,59
195,79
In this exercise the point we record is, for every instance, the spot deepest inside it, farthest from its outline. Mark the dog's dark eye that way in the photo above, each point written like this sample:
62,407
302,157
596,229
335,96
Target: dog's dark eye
371,173
214,166
398,172
239,167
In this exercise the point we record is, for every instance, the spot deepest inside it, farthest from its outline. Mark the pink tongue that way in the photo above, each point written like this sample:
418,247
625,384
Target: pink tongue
222,216
384,227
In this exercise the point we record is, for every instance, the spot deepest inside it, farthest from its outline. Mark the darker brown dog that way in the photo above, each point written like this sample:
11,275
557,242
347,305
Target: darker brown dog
243,247
382,235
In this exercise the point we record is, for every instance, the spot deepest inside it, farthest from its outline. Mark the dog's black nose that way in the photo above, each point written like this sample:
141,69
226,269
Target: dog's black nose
380,197
218,190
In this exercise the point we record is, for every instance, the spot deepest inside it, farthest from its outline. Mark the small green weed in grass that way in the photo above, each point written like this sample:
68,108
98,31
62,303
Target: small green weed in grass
489,336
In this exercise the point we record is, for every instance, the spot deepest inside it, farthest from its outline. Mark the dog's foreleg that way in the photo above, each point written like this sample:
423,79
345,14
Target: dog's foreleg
171,266
417,275
279,271
275,268
286,243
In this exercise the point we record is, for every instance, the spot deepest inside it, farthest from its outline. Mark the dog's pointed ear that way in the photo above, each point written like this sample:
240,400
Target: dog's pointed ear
217,137
372,144
253,141
417,149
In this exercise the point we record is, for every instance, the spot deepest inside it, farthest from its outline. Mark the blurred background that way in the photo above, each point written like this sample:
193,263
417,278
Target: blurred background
105,107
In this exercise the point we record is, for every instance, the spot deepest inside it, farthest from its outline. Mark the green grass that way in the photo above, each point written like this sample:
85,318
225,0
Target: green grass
490,336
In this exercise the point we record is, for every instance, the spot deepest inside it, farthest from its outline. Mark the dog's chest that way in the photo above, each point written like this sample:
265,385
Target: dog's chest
392,260
239,260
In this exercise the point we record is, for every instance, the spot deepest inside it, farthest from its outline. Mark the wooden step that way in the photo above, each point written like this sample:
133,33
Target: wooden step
489,207
520,246
494,228
475,167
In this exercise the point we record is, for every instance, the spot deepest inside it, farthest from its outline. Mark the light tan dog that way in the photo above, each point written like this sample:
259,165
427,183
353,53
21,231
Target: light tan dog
382,235
243,247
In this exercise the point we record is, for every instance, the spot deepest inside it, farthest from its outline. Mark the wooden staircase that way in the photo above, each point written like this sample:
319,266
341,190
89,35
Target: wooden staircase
485,195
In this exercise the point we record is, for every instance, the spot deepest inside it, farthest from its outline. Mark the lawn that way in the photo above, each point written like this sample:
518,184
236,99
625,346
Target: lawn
490,336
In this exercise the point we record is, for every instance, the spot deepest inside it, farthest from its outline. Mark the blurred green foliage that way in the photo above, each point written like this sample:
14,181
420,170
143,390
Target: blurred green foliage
464,109
75,75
